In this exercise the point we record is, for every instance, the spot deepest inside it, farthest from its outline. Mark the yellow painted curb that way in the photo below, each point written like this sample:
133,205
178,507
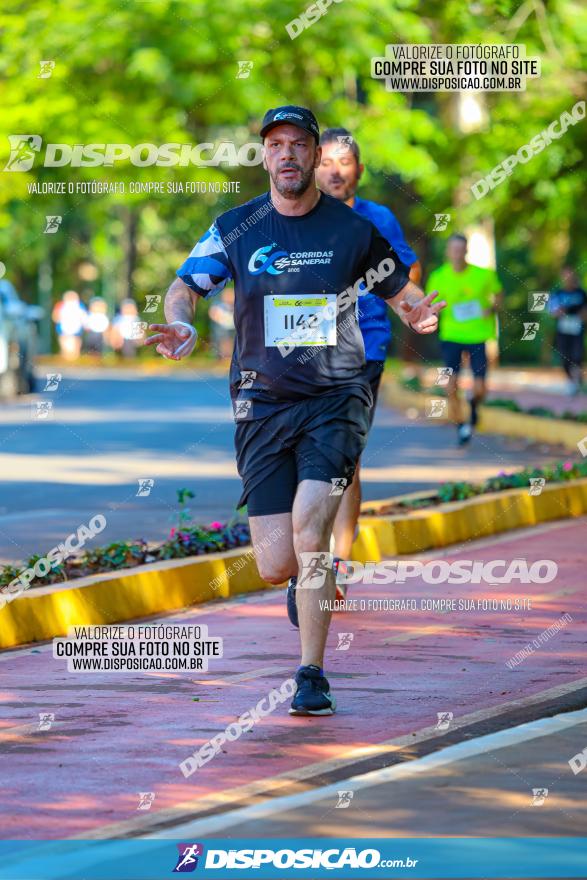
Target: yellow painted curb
494,420
556,431
458,521
43,613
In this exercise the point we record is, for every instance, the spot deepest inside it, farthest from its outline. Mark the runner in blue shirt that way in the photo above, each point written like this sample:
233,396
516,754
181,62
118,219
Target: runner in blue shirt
338,175
301,400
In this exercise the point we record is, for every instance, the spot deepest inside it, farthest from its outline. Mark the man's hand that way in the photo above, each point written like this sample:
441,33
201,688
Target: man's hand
421,314
173,341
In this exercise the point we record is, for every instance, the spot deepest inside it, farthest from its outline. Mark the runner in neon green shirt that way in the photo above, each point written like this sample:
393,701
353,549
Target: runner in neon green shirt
473,296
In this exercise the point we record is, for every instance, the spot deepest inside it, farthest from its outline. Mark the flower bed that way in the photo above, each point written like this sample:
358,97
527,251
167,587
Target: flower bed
185,539
459,491
540,411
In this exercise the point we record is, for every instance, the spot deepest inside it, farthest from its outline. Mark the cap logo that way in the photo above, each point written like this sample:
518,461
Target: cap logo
286,115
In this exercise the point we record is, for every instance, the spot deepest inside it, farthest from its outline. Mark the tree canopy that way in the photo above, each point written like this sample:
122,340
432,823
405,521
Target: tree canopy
166,71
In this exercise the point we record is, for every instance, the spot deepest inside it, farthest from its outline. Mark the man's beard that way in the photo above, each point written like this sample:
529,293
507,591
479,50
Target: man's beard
289,189
348,190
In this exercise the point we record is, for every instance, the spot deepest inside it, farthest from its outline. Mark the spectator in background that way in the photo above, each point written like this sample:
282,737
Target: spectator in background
69,316
568,304
222,323
473,296
96,326
126,337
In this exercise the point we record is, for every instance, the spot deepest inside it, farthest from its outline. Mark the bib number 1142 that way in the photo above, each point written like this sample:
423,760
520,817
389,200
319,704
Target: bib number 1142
301,320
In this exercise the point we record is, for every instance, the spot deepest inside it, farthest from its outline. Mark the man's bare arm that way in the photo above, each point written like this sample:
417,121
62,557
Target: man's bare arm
177,338
410,294
180,303
496,305
415,309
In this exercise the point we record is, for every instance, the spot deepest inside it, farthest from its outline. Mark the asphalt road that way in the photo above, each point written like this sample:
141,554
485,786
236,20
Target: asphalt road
106,430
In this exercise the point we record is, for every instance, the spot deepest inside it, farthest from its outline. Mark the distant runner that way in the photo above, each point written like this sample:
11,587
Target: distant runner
568,304
338,175
473,296
300,396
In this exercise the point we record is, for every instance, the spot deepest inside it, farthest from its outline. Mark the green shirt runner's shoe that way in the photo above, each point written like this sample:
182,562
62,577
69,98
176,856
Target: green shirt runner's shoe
467,294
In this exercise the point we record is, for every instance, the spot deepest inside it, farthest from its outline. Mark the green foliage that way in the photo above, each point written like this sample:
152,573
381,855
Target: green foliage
184,515
557,473
412,383
503,403
164,71
119,554
458,491
541,411
190,540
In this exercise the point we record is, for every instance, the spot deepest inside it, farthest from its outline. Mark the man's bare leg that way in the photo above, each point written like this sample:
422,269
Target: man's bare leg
347,518
313,516
455,412
479,389
272,539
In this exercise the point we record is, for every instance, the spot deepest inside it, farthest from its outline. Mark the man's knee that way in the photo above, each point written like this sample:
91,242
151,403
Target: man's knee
312,537
274,571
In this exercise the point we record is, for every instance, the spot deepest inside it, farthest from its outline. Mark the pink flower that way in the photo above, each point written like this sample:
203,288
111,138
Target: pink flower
172,532
568,466
215,525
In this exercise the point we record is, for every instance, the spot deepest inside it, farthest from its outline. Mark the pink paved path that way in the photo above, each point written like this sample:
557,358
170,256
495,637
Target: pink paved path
530,388
527,386
117,735
558,403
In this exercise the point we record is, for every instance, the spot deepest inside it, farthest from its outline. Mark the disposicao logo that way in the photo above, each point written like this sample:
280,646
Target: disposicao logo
187,860
24,149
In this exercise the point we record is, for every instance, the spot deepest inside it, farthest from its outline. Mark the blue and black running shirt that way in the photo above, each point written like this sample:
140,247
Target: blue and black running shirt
296,282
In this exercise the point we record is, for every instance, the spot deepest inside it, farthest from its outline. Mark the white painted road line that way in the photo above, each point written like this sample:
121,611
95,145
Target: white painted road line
468,749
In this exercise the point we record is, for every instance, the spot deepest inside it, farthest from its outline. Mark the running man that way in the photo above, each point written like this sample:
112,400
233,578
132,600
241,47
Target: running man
568,304
473,298
300,397
338,175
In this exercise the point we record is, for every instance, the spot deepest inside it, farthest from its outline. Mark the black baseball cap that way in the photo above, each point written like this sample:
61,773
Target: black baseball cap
292,115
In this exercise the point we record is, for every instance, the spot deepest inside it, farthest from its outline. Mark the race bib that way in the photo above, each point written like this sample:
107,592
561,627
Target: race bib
570,324
295,321
467,311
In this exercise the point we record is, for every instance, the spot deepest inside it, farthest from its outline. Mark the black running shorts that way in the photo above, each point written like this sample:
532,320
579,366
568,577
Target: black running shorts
452,353
318,438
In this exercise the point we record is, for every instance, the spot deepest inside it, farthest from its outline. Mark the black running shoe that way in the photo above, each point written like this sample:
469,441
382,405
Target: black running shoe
313,695
464,434
292,608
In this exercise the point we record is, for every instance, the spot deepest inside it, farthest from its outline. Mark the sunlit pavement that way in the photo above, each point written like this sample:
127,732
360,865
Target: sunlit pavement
410,685
529,387
516,783
106,430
